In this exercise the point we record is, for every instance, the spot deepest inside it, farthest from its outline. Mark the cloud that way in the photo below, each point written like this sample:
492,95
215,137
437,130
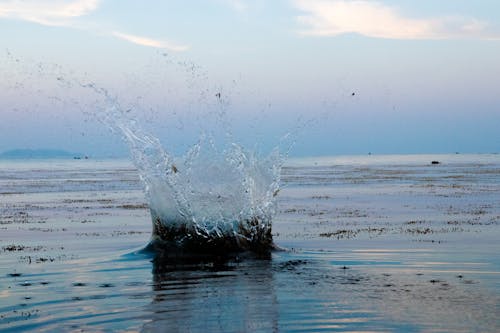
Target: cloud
145,41
52,13
65,13
374,19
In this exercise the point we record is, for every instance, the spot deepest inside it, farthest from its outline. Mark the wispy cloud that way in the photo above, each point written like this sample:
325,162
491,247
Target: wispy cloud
145,41
70,14
52,13
375,19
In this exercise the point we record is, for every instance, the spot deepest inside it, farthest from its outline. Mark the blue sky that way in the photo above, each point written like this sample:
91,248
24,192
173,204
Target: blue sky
425,74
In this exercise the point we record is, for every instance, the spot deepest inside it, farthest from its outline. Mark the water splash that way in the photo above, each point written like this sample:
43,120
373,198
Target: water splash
213,199
217,196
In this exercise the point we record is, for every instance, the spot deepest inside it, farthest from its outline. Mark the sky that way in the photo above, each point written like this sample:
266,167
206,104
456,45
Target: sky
342,76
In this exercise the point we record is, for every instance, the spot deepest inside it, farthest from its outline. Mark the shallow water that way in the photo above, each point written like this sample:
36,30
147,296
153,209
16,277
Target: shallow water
373,243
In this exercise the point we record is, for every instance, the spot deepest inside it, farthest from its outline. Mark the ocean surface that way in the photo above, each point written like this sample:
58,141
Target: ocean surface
369,244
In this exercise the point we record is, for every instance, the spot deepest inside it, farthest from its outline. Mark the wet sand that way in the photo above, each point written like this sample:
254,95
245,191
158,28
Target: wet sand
372,244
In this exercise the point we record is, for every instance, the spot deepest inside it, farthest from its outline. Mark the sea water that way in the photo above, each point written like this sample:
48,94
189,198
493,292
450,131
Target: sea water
375,243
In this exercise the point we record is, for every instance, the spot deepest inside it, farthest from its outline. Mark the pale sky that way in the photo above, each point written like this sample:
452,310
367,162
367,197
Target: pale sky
425,74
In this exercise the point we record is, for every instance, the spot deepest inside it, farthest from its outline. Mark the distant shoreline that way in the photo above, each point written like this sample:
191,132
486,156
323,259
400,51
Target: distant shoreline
48,154
40,154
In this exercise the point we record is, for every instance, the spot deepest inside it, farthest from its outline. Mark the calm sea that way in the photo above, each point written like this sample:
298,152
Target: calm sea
371,243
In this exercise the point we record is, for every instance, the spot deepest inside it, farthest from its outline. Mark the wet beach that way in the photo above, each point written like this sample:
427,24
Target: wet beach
370,243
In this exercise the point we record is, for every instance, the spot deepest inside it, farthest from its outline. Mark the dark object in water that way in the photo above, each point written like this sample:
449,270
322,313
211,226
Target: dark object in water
179,242
435,162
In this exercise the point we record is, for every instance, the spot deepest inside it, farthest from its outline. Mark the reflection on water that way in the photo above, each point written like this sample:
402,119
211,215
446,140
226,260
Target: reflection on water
213,298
